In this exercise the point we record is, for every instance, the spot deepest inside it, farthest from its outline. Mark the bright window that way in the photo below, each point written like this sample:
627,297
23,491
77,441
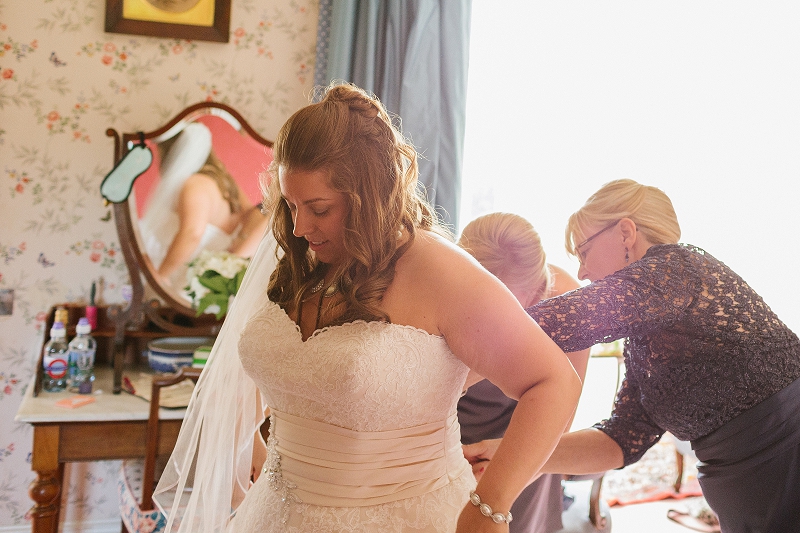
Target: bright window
701,99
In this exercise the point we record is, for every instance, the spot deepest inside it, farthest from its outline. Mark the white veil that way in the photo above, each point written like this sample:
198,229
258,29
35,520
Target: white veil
209,470
160,221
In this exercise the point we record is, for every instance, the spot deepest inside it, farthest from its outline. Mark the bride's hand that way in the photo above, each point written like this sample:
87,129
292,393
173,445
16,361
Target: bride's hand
479,455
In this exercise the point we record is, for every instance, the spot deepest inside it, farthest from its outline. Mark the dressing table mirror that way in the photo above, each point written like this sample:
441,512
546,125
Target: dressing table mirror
145,201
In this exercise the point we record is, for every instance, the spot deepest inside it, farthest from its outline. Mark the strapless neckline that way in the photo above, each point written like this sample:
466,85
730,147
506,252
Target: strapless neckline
327,329
362,380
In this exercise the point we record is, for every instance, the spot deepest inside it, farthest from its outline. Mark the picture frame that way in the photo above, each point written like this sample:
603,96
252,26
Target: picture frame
200,20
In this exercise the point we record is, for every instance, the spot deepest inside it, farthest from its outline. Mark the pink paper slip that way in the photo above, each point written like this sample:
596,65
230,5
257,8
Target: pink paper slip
75,401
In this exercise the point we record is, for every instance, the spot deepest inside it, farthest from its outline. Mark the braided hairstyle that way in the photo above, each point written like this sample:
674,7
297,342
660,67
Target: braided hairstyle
349,135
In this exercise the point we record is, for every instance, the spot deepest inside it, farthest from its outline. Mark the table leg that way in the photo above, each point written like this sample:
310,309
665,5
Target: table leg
120,351
679,478
45,490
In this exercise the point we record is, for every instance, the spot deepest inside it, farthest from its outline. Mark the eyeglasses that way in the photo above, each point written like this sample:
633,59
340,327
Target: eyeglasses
581,256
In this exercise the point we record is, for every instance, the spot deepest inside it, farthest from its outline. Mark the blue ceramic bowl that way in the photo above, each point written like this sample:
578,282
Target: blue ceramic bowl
171,353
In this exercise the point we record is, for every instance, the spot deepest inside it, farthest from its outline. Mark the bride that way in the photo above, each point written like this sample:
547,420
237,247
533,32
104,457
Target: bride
359,337
196,206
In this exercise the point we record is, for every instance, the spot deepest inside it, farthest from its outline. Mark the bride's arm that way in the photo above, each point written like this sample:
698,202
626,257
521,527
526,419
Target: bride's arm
253,227
486,327
194,205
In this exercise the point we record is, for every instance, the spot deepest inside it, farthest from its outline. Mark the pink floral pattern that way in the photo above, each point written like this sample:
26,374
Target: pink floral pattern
109,54
9,253
70,123
5,452
17,49
106,255
10,384
63,83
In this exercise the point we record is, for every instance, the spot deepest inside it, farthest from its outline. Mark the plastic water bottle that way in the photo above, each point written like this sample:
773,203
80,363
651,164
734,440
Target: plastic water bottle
54,360
81,358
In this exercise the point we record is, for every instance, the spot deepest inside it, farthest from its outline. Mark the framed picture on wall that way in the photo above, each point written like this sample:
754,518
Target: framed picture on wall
201,20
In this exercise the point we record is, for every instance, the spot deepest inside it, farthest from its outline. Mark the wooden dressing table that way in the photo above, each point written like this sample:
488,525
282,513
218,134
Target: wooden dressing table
113,427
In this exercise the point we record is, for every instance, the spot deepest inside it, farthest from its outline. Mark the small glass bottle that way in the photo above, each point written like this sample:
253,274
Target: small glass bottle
54,360
62,315
82,350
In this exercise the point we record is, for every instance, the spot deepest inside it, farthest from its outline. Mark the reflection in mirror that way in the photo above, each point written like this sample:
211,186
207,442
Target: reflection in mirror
201,193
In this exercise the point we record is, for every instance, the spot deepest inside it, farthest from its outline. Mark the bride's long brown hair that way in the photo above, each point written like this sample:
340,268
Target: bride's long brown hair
350,136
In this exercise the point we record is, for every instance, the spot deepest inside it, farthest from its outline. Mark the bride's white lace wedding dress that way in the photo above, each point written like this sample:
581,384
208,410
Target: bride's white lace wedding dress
364,435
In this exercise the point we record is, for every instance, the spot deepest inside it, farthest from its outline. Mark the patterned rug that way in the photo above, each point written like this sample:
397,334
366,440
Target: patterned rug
652,477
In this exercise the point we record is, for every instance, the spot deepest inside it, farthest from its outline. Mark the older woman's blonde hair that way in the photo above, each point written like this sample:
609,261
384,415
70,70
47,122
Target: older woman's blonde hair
647,206
350,136
509,247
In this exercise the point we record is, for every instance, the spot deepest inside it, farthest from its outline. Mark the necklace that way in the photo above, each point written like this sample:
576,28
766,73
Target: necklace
318,287
332,289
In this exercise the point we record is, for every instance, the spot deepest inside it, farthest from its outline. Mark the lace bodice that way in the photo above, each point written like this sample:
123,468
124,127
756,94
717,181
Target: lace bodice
366,376
701,348
362,376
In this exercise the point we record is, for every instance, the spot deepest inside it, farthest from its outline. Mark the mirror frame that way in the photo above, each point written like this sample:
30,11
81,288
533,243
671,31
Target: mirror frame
173,316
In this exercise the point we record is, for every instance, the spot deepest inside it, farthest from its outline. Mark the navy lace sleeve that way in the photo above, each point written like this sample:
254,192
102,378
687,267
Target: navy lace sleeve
629,425
642,298
701,346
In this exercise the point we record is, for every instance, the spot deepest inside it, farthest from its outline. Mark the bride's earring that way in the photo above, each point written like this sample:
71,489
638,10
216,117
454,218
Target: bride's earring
627,257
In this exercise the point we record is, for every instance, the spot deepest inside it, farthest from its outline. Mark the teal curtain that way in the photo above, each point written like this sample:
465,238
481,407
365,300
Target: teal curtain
413,55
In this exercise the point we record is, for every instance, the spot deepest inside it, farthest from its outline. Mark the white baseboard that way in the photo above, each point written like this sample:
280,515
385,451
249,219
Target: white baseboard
113,525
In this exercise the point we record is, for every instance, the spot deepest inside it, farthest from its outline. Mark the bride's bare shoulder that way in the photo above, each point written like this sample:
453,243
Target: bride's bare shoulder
433,263
431,250
430,272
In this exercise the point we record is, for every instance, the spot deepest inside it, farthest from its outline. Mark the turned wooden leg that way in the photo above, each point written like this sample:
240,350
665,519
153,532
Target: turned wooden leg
120,351
45,490
596,515
679,478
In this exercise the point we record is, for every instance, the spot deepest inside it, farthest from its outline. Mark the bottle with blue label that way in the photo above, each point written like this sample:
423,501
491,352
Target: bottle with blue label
82,350
55,360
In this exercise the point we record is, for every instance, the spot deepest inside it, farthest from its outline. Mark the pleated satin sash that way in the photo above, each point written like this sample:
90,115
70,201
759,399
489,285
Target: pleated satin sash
338,467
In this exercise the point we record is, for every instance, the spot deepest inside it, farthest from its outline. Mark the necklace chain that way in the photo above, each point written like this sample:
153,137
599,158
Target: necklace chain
318,287
330,291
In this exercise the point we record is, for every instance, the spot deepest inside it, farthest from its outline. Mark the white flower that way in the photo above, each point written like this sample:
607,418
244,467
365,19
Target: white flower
217,270
197,288
225,263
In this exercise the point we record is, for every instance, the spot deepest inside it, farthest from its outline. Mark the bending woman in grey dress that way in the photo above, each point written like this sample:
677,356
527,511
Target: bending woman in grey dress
509,247
706,359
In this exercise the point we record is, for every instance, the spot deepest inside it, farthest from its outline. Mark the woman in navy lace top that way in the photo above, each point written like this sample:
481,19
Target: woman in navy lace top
706,359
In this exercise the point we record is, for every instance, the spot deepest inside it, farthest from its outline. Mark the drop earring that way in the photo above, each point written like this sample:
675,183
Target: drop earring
627,257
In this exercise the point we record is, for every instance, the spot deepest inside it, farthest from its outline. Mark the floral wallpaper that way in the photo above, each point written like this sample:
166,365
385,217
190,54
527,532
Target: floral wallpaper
63,82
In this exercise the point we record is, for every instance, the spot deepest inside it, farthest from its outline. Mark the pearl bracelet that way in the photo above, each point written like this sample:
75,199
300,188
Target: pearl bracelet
486,510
